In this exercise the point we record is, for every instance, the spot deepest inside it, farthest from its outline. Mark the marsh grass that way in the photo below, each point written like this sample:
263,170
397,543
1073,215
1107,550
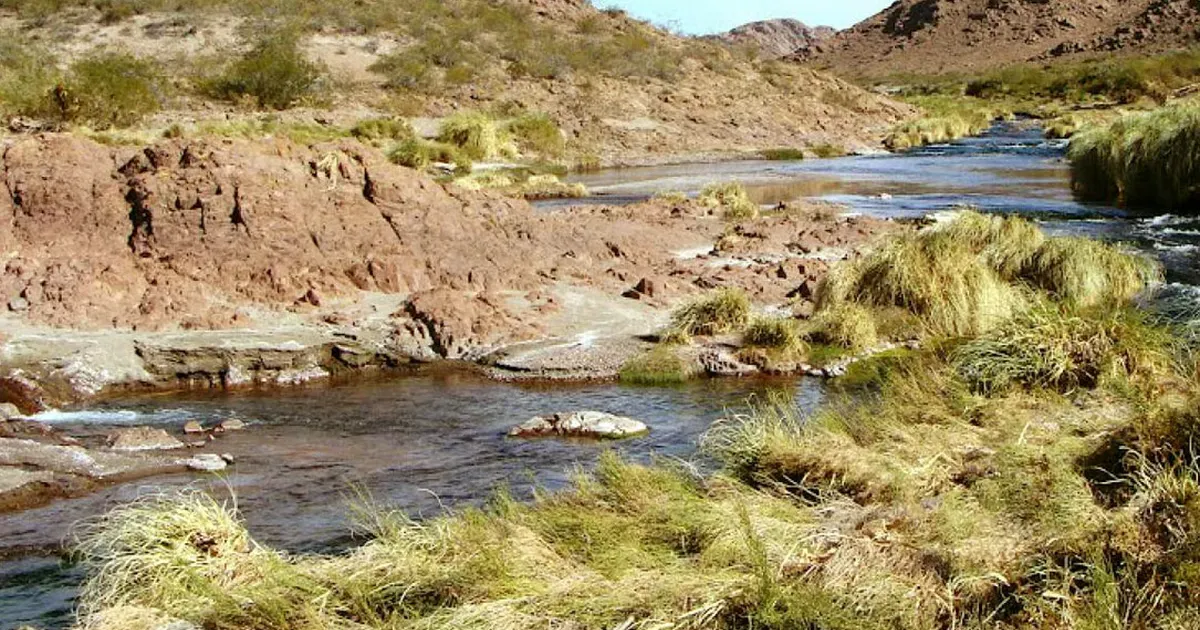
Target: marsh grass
420,154
661,365
731,199
776,333
1146,160
965,276
537,134
783,154
723,311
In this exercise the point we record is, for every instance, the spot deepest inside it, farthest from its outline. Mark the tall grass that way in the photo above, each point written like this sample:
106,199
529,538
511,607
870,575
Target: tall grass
477,135
1149,161
731,199
723,311
971,274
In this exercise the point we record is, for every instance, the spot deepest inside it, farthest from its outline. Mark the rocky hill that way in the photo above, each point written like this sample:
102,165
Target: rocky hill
622,91
779,38
935,36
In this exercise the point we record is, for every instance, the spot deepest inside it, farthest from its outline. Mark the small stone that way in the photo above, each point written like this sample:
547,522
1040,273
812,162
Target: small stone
193,428
646,287
312,297
227,458
197,444
142,439
232,424
8,411
206,462
17,305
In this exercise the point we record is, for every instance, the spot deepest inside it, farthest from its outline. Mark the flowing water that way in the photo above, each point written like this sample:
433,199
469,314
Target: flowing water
430,442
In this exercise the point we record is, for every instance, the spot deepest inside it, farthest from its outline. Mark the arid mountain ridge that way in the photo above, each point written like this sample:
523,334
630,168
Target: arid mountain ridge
937,36
778,38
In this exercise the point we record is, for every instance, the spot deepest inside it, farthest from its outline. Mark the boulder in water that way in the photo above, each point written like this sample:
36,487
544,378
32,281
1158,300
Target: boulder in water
581,424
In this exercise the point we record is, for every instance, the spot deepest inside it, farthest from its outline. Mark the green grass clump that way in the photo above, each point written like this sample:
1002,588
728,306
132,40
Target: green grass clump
420,154
379,130
1141,160
661,365
826,150
783,154
731,199
969,275
475,134
274,73
537,134
776,333
723,311
1061,350
847,325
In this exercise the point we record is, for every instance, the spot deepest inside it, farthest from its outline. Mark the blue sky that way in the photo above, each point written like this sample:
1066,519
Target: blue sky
712,16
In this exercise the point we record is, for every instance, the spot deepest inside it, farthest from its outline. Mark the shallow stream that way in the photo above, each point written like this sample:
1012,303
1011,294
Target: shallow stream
431,442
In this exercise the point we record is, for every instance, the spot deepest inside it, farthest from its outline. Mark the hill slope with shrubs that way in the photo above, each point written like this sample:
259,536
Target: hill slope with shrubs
617,90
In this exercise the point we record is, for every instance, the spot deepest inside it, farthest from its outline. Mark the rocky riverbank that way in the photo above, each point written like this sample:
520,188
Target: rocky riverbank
229,264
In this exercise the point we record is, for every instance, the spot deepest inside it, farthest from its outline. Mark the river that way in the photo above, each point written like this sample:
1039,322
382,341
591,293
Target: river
430,442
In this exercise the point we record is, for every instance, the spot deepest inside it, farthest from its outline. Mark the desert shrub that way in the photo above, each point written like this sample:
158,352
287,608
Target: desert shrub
731,199
776,333
109,90
1062,350
1142,160
274,73
27,77
722,311
475,134
537,134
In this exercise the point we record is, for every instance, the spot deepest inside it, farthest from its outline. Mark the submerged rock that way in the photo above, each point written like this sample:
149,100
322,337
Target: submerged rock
581,424
142,439
721,363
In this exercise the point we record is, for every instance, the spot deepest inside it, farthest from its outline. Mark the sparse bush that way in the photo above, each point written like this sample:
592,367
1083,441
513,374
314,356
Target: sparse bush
274,72
671,196
1142,160
723,311
731,199
109,90
27,78
827,151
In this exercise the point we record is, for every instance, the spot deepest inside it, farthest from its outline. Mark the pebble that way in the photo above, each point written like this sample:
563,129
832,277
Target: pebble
232,424
193,428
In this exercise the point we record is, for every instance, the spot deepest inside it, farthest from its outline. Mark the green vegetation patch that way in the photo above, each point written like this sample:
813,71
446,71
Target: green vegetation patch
731,199
662,365
274,73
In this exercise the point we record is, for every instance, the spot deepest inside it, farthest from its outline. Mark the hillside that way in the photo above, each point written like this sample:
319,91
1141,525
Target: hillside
778,38
936,36
621,91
